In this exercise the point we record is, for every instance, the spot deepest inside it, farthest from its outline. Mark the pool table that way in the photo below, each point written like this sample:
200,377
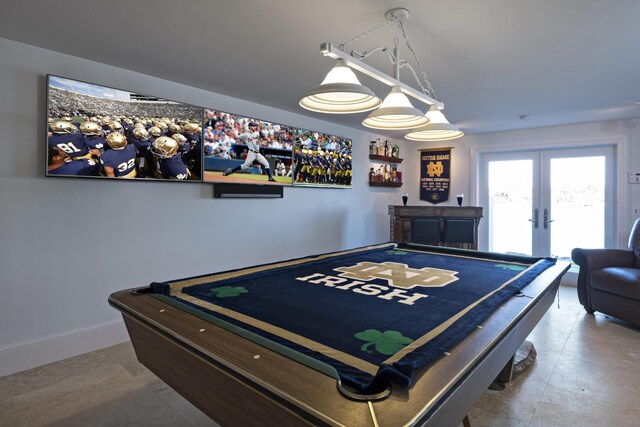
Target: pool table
237,382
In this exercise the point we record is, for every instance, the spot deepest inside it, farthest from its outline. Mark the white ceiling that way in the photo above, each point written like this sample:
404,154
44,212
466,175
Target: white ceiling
490,61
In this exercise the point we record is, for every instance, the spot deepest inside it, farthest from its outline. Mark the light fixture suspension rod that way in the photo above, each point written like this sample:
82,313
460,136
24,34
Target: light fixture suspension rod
396,63
365,55
329,50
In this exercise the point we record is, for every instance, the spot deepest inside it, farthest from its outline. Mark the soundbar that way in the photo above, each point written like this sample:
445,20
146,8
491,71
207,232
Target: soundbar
247,191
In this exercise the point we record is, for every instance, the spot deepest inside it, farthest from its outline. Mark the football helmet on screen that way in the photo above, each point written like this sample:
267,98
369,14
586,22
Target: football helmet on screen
179,138
63,127
141,134
175,128
190,128
155,131
90,128
164,147
116,140
115,126
162,126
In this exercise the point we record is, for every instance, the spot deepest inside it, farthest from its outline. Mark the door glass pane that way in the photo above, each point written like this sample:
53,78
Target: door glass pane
510,206
577,204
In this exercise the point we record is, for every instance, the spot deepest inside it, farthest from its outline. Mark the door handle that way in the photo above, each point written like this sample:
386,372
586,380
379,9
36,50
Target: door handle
546,219
534,220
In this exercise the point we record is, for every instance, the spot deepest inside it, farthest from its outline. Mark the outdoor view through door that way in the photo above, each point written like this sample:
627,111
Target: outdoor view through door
547,202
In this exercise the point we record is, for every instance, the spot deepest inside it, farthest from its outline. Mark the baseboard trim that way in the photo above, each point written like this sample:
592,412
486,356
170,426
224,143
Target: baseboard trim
31,355
569,279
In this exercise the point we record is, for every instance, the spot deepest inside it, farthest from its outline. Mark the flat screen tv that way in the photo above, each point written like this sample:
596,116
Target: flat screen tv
321,160
245,150
106,133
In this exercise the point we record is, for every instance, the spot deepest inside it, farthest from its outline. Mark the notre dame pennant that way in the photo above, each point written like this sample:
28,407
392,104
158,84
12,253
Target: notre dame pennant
435,174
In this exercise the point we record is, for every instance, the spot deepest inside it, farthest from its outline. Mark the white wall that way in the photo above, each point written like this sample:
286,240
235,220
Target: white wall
66,244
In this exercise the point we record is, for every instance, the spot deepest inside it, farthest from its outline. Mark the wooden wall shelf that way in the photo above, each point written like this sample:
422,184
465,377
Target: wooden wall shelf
385,184
385,158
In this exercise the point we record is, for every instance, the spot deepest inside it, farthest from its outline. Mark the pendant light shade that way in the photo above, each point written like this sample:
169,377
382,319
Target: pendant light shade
396,112
438,129
340,92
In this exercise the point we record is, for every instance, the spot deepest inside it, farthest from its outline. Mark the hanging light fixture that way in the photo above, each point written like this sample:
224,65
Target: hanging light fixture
396,112
341,92
438,128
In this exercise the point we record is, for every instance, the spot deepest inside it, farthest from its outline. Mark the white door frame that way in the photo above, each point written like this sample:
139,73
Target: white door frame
620,144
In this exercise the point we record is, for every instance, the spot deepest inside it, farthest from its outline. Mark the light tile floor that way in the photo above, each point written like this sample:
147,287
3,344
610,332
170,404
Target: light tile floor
585,374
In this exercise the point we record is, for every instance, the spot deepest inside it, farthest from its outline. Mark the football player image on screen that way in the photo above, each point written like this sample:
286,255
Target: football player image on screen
140,139
93,136
190,131
68,138
193,160
189,151
183,144
59,163
169,165
251,140
120,160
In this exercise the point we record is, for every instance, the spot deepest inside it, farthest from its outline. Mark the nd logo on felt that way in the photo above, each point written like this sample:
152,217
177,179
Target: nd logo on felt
399,275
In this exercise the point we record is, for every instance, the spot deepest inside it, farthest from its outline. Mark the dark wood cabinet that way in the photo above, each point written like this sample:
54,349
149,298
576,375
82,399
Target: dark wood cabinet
450,226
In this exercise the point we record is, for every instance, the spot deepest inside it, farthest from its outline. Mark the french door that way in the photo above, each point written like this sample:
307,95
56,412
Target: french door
547,202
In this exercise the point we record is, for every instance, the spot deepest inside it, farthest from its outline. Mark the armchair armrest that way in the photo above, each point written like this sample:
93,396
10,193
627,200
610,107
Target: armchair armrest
594,259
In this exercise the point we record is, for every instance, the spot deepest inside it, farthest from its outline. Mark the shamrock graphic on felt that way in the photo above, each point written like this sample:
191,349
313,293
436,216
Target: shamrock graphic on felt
227,291
387,342
511,267
396,252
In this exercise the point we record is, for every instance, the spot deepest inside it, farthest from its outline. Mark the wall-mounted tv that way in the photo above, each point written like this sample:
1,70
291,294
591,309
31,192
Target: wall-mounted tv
102,132
245,150
321,160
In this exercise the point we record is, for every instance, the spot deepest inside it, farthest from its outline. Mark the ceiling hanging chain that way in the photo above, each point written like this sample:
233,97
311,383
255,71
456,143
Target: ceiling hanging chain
364,34
399,18
432,93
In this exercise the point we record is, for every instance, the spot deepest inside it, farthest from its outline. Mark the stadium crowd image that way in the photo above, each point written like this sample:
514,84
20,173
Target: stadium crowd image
95,131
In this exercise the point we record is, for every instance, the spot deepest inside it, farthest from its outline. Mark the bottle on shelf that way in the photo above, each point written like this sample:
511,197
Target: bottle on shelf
396,151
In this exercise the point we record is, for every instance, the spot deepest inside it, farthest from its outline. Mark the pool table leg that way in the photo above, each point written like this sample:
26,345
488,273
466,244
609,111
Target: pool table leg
506,374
